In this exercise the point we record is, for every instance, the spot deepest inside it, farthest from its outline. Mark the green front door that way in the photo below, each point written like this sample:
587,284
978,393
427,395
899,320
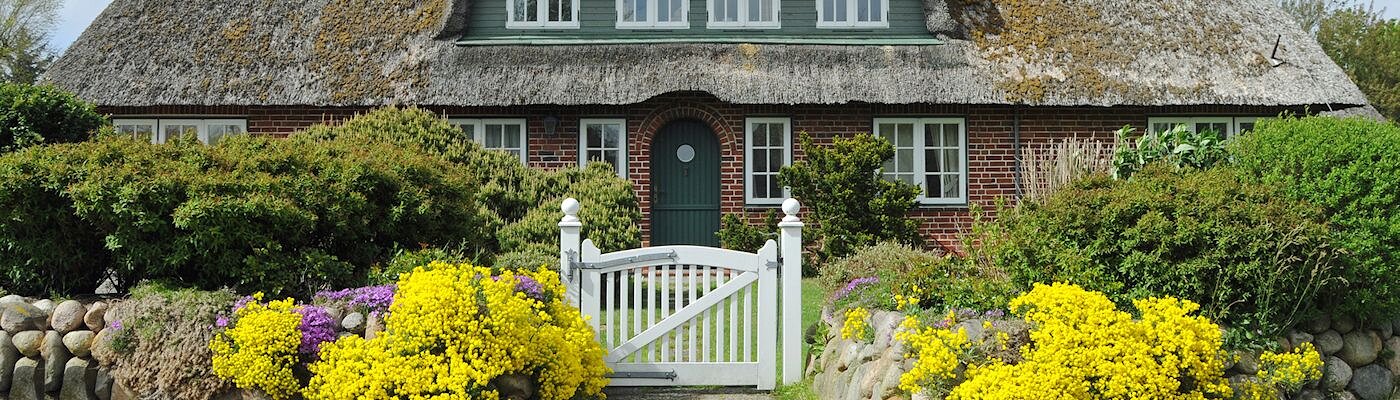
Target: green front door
685,185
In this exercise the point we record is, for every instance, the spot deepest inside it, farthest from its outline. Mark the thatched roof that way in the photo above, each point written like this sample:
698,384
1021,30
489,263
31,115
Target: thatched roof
375,52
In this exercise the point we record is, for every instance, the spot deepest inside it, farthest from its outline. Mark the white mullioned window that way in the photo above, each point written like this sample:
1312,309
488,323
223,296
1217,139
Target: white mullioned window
743,14
767,149
653,14
852,14
603,140
502,134
930,153
542,14
1227,127
207,131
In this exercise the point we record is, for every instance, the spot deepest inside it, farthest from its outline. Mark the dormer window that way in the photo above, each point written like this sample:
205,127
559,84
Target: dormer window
653,14
852,14
542,14
743,14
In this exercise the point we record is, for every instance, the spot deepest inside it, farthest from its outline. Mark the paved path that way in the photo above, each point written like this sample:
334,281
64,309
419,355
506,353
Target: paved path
686,394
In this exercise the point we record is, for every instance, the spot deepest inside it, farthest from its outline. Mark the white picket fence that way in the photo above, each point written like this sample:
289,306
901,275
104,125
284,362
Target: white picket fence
690,315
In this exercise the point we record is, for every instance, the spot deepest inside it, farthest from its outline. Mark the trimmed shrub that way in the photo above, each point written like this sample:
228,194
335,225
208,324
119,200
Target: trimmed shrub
273,215
32,115
529,257
850,205
1351,168
519,203
891,257
893,276
736,234
1245,252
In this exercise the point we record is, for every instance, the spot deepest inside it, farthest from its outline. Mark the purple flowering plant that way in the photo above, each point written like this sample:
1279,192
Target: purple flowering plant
853,285
317,327
368,298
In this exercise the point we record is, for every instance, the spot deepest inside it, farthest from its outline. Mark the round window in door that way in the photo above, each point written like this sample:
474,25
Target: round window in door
685,185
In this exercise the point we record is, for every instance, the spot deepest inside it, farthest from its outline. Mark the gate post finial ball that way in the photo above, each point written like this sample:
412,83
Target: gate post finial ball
570,209
791,207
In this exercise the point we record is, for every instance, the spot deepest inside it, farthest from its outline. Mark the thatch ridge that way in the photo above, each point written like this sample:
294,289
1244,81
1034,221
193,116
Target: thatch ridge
376,52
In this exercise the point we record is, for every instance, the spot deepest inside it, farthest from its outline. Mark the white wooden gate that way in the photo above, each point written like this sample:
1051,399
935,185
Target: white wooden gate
690,315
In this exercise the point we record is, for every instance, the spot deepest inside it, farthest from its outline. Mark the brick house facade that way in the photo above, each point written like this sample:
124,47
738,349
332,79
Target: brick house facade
992,144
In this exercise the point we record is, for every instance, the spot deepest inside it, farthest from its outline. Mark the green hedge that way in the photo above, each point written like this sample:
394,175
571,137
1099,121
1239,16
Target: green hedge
1245,252
33,115
282,216
1351,168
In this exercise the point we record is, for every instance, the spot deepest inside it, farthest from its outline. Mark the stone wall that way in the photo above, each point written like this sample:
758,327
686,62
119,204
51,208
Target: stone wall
46,349
1361,361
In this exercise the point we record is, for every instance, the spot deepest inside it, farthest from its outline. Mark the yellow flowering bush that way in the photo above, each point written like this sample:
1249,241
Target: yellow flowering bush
1084,348
936,353
260,351
454,328
1286,372
855,326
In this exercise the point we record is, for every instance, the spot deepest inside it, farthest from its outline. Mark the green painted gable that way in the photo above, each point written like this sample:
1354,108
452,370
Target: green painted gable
598,19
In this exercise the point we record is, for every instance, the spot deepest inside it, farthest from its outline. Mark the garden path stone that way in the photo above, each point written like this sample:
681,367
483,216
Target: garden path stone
68,316
8,357
28,343
79,343
1329,342
79,377
1335,374
1360,347
685,394
55,359
1319,325
1372,382
95,319
28,381
16,317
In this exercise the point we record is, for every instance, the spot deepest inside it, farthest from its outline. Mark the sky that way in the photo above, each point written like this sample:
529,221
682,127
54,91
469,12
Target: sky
77,14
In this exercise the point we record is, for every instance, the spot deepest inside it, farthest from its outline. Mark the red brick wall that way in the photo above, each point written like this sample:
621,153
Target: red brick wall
991,151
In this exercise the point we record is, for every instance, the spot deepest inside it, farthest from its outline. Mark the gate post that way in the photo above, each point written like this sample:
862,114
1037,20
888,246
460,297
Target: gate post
569,248
790,247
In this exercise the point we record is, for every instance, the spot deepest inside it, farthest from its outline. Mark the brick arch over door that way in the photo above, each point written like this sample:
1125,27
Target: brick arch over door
731,156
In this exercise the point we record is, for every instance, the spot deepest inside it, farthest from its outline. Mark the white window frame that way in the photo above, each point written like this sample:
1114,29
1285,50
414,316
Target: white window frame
153,123
242,125
200,129
619,165
651,21
542,14
1232,123
851,22
920,147
748,158
743,18
479,132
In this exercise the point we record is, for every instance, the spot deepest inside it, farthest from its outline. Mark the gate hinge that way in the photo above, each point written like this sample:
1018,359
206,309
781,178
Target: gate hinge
668,375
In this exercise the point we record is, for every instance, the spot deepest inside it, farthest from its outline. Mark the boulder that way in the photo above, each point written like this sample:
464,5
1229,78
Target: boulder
46,305
1335,374
55,359
1296,338
1343,395
8,357
355,322
1395,325
16,317
102,336
28,383
102,385
374,326
13,298
1372,382
1392,346
1247,362
1360,347
1310,394
28,343
1328,342
1384,330
1317,325
95,319
79,379
111,316
1343,324
514,387
68,316
79,343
